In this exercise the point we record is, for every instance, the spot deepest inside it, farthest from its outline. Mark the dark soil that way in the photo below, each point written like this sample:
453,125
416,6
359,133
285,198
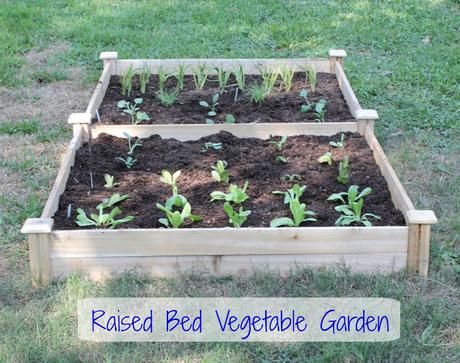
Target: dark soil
281,106
248,159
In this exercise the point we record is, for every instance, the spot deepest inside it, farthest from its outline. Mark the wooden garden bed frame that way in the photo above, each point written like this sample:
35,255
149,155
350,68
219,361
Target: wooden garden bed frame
168,252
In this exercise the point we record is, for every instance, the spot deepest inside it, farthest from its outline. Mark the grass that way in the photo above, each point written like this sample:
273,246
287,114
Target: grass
403,61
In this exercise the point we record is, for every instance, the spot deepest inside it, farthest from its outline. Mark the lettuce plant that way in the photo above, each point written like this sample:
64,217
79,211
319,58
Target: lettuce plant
219,172
299,215
344,171
175,219
235,194
236,218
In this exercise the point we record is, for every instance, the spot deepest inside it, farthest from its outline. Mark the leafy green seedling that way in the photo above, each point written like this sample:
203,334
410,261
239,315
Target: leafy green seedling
212,145
287,76
110,181
222,78
219,172
133,110
339,144
211,106
293,193
200,75
236,218
299,215
176,219
279,144
344,171
166,98
326,158
310,75
180,76
281,159
129,161
257,93
162,78
240,77
268,79
320,110
235,194
144,77
230,119
131,146
170,179
351,209
290,177
127,81
102,219
307,106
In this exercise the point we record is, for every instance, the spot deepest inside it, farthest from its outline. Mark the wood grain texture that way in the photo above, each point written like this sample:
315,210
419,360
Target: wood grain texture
347,91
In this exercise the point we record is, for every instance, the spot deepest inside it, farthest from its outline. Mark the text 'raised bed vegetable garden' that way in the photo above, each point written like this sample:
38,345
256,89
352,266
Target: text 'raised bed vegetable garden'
227,166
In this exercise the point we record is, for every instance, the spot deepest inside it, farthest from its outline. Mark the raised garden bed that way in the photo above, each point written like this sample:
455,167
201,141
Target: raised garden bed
399,240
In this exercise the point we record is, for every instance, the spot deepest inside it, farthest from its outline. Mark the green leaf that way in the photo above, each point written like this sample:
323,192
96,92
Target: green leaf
212,113
230,119
138,101
303,93
209,121
122,104
204,104
365,192
283,221
164,221
142,116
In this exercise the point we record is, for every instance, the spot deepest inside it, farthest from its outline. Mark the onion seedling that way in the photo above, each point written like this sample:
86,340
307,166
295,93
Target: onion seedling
257,93
268,79
326,158
235,194
129,161
162,78
240,77
287,75
102,219
344,171
166,98
351,209
299,215
219,172
211,106
127,81
339,144
144,77
110,181
310,77
180,76
133,110
131,146
236,218
222,78
293,193
279,144
200,75
176,219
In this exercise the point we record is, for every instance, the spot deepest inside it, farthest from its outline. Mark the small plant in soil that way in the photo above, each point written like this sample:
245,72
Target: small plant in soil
326,158
351,209
236,218
180,76
212,105
102,219
257,93
144,77
212,145
320,110
162,78
287,76
175,219
307,106
176,199
166,98
279,144
240,80
293,193
230,119
290,177
200,75
127,81
281,159
129,161
110,181
310,77
344,171
222,78
219,172
133,110
235,194
132,146
268,79
339,144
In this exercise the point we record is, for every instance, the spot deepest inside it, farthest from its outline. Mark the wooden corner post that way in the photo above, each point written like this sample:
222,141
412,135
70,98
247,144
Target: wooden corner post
418,253
109,58
366,118
336,56
39,237
81,121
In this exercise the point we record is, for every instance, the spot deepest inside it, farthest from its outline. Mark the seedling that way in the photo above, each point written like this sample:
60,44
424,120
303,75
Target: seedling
236,218
176,219
127,81
279,144
211,106
257,93
318,108
167,98
230,119
131,146
307,106
240,80
281,159
320,111
180,76
326,158
104,219
287,75
352,208
268,79
222,78
170,179
299,215
219,172
212,145
310,75
110,181
290,177
129,161
133,110
162,78
235,194
144,77
338,144
200,75
344,171
293,193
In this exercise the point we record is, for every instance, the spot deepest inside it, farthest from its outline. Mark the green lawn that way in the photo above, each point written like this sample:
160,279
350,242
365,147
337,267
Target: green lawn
404,61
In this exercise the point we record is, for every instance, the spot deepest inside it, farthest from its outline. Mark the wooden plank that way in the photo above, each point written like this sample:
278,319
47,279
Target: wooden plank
347,91
424,249
250,66
39,258
196,131
228,241
100,268
413,248
101,88
398,194
61,179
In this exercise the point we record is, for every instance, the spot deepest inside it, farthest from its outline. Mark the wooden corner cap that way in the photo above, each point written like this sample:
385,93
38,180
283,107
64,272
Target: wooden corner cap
337,53
37,225
367,114
80,118
108,55
421,217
